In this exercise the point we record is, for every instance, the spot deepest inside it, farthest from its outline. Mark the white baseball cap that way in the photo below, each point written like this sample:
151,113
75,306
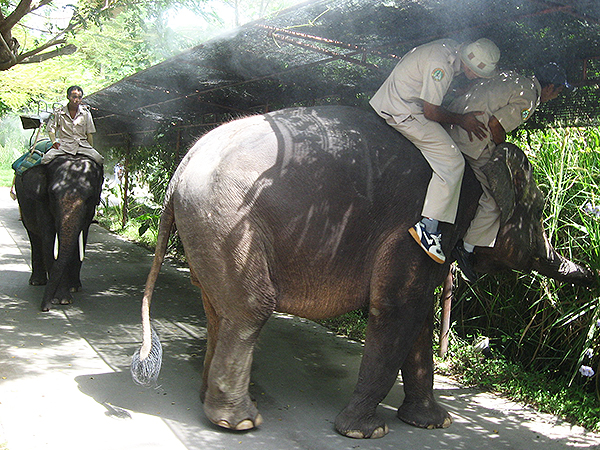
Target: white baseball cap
481,57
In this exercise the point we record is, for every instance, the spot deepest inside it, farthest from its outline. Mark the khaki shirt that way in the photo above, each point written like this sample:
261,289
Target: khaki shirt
72,133
423,74
510,97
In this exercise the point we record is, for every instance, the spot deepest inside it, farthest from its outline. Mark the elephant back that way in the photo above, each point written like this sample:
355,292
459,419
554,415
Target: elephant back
351,150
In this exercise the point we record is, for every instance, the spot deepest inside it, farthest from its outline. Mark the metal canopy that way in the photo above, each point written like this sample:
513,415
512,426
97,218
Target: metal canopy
340,51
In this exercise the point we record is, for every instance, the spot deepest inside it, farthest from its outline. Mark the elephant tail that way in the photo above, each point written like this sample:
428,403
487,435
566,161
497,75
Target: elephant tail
146,362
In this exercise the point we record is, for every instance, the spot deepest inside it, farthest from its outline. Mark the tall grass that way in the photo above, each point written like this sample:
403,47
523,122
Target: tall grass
545,325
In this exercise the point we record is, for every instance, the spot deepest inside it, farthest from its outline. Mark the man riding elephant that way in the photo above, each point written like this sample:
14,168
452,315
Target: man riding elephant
506,101
410,102
71,129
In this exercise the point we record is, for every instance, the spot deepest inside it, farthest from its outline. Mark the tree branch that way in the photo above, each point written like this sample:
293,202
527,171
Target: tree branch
6,50
66,50
22,9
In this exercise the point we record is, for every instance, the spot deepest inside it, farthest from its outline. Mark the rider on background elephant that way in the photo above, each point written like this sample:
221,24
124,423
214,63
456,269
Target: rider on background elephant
507,101
71,129
305,211
410,101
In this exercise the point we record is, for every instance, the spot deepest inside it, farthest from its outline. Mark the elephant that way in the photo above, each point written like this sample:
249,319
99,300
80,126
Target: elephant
58,202
306,211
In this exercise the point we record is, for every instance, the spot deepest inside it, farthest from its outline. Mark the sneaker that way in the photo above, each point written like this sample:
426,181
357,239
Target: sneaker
430,242
465,262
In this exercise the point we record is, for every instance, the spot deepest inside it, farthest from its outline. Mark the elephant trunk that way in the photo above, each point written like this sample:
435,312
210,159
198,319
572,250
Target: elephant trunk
556,266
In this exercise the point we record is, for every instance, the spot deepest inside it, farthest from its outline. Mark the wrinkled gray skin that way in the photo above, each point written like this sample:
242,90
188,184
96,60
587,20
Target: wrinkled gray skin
306,211
58,199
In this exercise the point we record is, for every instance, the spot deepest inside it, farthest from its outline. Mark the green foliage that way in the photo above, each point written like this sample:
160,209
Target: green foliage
547,393
6,177
352,325
13,141
117,41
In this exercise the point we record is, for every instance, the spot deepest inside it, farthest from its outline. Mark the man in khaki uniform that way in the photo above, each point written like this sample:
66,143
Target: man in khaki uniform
410,101
71,128
506,101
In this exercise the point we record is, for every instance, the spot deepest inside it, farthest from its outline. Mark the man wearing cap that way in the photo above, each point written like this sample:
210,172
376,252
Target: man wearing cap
410,101
507,101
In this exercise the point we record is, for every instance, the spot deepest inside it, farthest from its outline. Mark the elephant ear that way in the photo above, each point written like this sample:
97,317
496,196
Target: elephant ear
509,173
35,182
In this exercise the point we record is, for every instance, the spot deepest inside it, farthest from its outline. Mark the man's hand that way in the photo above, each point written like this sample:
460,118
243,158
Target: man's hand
56,145
473,126
497,130
467,121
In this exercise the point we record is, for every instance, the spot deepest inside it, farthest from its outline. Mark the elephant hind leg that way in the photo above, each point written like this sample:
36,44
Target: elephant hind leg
232,334
227,402
212,335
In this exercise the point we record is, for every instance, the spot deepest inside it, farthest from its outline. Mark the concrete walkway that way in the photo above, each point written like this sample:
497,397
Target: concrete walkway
65,383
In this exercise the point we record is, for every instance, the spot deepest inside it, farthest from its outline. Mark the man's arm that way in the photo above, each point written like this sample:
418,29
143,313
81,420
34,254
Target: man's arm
497,130
52,137
467,121
90,138
52,128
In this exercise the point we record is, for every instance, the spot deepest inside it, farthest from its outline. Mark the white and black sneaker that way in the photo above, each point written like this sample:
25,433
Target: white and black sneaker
430,242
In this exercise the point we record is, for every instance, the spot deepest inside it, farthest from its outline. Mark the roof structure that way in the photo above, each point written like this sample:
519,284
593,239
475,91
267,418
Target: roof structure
340,51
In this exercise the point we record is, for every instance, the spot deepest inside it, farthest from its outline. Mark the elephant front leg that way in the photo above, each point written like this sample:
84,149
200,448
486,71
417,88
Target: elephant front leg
420,407
391,332
38,267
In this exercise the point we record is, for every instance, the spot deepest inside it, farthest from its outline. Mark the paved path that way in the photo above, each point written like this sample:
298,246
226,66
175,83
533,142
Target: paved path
65,383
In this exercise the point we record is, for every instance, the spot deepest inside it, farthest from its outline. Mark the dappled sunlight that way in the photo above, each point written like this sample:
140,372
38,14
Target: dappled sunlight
12,262
64,375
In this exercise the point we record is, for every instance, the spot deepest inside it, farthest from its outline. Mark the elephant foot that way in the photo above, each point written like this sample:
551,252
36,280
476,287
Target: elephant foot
359,426
38,280
241,418
75,288
63,299
47,305
424,414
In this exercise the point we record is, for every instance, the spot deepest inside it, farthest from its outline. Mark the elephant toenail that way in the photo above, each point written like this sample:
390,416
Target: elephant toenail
245,425
355,434
224,424
380,432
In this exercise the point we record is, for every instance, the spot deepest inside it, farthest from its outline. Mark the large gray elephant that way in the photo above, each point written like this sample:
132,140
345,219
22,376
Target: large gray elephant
58,202
306,211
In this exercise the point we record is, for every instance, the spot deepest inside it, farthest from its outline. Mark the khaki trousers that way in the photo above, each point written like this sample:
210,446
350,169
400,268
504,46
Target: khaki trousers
446,161
485,225
90,152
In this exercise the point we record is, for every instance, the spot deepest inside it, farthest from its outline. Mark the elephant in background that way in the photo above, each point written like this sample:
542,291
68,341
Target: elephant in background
58,202
306,211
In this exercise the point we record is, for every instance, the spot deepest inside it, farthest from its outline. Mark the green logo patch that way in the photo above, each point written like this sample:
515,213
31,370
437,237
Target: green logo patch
438,74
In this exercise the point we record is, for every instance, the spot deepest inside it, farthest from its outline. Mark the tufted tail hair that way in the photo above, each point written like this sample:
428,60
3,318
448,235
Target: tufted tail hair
146,362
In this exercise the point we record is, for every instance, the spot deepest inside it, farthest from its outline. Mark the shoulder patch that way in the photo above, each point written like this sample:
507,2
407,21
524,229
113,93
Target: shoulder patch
438,74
